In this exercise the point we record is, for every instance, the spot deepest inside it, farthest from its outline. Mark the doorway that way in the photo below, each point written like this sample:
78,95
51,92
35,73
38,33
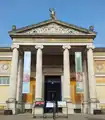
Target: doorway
52,90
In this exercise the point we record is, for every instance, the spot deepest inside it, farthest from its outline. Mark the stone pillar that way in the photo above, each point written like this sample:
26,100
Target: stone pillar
91,78
39,79
66,80
13,79
20,83
39,76
86,88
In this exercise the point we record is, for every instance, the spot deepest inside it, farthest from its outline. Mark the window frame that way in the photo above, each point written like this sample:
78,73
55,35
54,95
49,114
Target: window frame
7,81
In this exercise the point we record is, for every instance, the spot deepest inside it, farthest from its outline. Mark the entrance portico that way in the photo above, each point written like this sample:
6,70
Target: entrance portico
52,45
55,63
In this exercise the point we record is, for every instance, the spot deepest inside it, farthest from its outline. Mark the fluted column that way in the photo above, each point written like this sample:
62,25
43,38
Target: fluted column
38,94
13,80
66,68
20,79
20,84
86,87
91,78
14,70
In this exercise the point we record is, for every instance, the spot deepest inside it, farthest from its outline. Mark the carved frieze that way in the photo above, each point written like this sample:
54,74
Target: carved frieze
99,66
5,67
53,29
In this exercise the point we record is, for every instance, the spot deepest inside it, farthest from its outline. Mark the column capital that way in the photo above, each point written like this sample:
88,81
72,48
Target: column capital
90,46
14,46
66,46
39,46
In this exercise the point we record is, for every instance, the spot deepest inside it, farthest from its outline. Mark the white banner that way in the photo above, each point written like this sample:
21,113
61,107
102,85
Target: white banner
27,71
79,72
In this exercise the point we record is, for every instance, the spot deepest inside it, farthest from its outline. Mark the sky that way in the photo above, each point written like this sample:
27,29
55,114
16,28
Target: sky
83,13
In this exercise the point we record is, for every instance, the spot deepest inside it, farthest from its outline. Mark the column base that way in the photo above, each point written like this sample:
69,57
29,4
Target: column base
85,107
20,107
93,106
11,105
69,109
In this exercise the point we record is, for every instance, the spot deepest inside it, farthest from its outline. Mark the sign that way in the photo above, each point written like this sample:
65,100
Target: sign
79,72
26,75
39,104
49,105
62,104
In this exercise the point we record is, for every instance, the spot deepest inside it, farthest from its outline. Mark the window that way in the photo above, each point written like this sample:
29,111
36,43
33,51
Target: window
4,80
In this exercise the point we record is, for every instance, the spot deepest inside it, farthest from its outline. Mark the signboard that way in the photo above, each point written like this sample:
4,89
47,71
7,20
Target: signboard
39,104
62,104
49,105
79,72
26,75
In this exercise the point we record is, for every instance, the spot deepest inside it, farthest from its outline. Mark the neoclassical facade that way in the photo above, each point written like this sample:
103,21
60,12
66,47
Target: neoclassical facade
52,44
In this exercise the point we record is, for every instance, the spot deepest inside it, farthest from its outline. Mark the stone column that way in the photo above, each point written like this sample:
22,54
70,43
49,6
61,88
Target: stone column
86,88
66,80
20,83
39,77
13,79
91,78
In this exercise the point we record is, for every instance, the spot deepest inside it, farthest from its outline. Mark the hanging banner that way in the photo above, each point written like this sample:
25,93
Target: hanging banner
79,87
26,74
78,62
79,72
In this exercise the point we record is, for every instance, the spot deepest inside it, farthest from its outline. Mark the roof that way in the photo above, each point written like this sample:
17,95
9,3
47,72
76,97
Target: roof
99,49
23,31
5,49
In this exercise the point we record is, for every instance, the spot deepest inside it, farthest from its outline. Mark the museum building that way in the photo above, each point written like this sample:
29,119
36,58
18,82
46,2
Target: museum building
51,67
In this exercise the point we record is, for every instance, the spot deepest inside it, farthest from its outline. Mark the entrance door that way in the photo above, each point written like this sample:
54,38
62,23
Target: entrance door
52,90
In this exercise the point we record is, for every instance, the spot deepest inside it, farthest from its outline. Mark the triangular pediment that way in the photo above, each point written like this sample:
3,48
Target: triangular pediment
52,27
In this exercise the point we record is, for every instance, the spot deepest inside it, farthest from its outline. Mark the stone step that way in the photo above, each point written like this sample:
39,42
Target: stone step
1,112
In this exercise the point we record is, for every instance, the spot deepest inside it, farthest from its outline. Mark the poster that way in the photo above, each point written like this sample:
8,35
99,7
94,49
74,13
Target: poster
39,104
26,74
79,72
49,105
62,104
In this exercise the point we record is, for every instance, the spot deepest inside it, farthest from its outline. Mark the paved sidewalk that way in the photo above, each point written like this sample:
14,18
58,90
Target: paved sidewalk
71,117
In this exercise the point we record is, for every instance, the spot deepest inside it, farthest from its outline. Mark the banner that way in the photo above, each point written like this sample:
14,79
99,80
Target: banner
26,74
79,84
79,72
